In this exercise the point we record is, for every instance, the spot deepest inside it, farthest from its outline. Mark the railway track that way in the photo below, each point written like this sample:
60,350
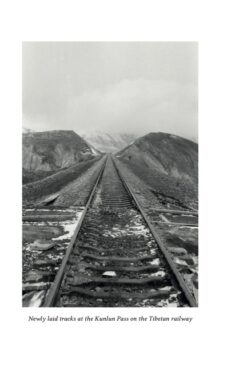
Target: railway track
115,258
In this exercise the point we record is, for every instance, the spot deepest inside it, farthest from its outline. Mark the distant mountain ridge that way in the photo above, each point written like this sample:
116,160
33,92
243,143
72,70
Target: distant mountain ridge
53,150
105,142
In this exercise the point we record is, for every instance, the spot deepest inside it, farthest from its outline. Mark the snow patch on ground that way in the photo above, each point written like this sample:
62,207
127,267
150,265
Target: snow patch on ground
36,299
195,259
109,274
180,262
69,227
167,302
130,231
158,274
155,261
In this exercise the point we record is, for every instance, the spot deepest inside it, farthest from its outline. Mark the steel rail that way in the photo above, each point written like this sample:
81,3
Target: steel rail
52,295
190,298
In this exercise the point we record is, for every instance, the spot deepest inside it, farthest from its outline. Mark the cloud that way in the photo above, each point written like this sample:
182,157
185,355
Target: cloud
137,106
111,87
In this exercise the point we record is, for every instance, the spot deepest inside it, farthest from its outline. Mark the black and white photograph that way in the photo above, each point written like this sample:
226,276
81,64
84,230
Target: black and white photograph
110,174
122,122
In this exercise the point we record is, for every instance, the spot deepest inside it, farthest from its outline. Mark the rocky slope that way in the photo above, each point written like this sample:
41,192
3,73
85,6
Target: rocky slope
53,150
167,163
106,143
166,153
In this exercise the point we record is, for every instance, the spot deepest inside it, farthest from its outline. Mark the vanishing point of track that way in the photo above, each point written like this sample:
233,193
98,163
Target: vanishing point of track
115,257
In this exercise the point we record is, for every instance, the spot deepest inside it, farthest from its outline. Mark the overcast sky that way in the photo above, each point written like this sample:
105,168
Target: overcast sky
134,87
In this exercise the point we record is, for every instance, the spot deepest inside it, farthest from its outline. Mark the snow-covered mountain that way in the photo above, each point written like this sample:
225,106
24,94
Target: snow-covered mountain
105,142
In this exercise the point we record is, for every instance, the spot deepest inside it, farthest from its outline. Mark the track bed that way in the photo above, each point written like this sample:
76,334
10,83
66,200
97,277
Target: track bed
115,260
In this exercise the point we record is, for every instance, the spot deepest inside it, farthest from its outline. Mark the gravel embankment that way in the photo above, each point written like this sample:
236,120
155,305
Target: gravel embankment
54,183
178,232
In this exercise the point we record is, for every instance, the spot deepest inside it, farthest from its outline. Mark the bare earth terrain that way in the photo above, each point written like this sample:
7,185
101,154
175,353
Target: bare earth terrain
165,185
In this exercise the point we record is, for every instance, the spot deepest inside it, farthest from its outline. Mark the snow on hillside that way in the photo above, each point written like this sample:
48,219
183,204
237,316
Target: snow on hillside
105,142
